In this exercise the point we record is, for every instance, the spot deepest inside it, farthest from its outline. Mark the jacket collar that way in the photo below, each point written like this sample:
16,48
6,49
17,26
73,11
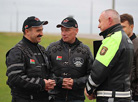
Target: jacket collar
28,41
111,30
77,42
133,36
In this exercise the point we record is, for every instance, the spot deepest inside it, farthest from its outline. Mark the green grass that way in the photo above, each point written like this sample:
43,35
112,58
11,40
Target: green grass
7,41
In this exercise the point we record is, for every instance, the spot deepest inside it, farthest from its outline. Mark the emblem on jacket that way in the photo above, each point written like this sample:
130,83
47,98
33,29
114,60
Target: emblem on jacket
78,61
59,58
103,50
32,61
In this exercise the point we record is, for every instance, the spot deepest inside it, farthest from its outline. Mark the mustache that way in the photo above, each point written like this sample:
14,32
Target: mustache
39,36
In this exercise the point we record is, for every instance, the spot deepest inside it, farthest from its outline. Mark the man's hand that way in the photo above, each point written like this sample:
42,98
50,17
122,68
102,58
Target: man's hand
67,83
90,97
49,84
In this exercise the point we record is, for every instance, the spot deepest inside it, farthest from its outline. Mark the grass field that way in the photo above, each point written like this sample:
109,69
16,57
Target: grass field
7,41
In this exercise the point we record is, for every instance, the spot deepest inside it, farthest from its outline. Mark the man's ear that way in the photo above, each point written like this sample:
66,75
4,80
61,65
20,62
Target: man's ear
132,26
77,30
110,20
26,31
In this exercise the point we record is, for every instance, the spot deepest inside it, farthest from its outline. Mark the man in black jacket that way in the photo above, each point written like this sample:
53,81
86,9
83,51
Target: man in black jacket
28,66
128,25
110,75
71,63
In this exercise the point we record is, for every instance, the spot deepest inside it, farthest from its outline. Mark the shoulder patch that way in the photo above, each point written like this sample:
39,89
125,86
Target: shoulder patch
103,50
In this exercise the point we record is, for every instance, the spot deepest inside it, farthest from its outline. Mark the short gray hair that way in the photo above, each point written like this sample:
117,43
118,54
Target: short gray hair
113,14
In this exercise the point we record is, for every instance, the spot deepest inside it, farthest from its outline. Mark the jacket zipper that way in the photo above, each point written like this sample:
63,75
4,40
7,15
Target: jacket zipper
68,63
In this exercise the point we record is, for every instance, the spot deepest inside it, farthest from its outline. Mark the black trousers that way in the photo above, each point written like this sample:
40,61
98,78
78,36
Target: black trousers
20,99
107,99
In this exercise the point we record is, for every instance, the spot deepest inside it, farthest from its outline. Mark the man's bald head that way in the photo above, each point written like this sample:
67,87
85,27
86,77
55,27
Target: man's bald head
108,18
112,14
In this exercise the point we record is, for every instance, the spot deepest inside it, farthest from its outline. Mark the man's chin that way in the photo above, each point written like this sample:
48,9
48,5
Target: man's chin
65,40
39,40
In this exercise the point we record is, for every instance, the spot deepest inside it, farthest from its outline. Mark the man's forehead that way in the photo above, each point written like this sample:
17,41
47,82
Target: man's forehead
125,23
101,17
67,28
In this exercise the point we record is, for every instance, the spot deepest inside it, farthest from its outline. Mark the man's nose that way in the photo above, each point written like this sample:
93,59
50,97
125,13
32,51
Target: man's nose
41,33
63,33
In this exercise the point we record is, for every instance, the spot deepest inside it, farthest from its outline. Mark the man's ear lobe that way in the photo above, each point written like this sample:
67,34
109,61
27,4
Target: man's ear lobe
77,30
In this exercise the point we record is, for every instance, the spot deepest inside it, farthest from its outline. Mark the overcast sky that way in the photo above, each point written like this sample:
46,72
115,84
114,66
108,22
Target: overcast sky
56,10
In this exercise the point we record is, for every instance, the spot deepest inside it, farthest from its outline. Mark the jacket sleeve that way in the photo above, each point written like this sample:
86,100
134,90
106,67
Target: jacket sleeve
81,82
136,59
16,72
134,69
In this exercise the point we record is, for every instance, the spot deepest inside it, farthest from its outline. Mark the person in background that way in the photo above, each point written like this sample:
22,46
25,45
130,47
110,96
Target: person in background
27,65
71,63
109,80
128,25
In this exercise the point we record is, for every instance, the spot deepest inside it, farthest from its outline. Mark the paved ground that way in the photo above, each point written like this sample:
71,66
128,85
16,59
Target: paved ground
88,36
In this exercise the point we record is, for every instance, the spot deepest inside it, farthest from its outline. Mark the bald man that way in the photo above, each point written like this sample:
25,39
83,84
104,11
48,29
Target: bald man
109,80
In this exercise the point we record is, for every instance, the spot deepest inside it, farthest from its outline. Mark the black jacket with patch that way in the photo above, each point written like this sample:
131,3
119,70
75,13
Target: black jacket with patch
70,61
27,66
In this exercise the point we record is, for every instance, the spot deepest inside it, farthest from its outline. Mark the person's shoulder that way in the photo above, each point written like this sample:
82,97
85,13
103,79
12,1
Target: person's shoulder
136,40
17,49
41,47
20,45
114,38
14,51
54,43
84,46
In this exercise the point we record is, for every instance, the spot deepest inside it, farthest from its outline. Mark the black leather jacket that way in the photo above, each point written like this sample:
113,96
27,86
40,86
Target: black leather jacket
72,61
114,75
134,72
27,66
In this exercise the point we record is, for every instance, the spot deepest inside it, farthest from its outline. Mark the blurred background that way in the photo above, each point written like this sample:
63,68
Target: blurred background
86,12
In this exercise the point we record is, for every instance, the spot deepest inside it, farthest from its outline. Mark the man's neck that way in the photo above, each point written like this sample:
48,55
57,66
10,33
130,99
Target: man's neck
130,34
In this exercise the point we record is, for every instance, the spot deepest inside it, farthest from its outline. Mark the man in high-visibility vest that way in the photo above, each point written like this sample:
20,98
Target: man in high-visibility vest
109,80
